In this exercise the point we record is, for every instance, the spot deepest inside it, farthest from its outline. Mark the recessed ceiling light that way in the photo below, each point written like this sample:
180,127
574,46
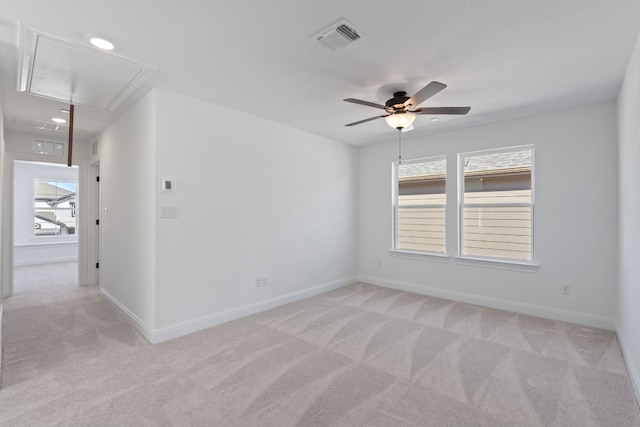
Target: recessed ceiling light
64,110
435,119
58,120
99,42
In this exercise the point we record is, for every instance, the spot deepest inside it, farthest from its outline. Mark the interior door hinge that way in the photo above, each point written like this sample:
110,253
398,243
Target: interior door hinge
97,222
97,265
97,179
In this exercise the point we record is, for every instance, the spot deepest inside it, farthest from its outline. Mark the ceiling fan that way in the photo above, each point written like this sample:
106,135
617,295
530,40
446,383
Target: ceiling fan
401,110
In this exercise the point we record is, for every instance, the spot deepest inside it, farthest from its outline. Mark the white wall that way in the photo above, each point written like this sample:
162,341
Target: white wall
20,145
29,249
127,223
4,278
254,198
629,280
575,218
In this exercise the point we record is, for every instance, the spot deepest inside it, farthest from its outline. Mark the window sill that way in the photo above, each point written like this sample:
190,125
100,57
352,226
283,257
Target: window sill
429,256
530,267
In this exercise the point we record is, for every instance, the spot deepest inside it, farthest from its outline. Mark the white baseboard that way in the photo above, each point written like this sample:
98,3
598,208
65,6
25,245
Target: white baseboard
185,328
205,322
629,362
517,307
48,260
45,252
135,321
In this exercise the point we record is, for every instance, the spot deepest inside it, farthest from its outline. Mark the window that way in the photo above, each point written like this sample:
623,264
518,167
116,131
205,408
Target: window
496,204
419,205
47,147
54,208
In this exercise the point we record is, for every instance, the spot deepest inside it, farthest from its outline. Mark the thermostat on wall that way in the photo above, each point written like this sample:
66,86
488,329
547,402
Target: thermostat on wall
167,185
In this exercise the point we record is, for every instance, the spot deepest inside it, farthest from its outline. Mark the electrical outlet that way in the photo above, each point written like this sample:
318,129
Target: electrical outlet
264,281
258,282
565,290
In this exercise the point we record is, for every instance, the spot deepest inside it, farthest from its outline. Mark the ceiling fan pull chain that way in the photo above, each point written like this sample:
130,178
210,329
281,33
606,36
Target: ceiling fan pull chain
399,146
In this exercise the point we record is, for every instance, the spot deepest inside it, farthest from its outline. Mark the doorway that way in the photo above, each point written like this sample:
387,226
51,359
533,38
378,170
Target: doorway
45,225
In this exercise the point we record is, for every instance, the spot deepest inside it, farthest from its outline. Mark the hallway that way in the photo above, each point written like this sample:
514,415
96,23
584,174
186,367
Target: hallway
51,329
44,278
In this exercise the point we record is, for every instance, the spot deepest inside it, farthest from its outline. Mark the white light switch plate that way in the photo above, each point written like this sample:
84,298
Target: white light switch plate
168,212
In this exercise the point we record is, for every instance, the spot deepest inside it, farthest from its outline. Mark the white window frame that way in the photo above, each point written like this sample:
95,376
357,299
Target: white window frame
72,210
462,205
394,207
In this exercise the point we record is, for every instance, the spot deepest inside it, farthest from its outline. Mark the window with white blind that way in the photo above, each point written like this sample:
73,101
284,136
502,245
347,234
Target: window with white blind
419,205
496,204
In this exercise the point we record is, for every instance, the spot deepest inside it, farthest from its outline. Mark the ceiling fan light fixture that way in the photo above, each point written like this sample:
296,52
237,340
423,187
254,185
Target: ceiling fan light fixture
400,120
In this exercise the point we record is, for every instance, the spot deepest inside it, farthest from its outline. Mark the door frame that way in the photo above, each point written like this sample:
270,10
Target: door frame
93,229
84,194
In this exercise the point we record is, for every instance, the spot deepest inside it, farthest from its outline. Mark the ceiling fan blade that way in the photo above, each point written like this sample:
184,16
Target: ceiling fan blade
366,120
425,93
442,110
367,103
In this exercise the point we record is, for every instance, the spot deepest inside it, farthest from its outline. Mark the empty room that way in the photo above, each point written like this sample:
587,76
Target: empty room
333,213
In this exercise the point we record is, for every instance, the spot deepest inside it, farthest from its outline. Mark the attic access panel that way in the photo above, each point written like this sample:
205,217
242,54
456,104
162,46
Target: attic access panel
63,71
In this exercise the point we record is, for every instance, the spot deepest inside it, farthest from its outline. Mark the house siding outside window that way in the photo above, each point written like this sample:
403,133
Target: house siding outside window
496,195
419,205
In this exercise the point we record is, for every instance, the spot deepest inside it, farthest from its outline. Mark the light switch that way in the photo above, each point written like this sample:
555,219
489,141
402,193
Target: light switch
168,212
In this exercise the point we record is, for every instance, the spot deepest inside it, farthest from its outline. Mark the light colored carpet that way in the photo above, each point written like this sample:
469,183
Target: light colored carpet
358,356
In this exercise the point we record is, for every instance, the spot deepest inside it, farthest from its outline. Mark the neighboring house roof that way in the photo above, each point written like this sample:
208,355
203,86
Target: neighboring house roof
52,194
510,160
497,161
50,217
46,216
432,168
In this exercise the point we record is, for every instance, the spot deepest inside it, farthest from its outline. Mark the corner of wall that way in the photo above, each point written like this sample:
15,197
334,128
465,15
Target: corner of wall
628,316
127,252
2,277
627,355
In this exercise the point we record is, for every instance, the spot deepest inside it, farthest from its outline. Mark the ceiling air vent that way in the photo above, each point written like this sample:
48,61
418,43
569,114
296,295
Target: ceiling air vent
338,35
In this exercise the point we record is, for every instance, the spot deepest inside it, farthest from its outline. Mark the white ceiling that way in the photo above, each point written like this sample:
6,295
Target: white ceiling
504,58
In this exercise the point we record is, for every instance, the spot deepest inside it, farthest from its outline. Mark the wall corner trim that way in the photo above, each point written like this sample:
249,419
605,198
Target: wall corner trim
513,306
185,328
134,320
634,374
